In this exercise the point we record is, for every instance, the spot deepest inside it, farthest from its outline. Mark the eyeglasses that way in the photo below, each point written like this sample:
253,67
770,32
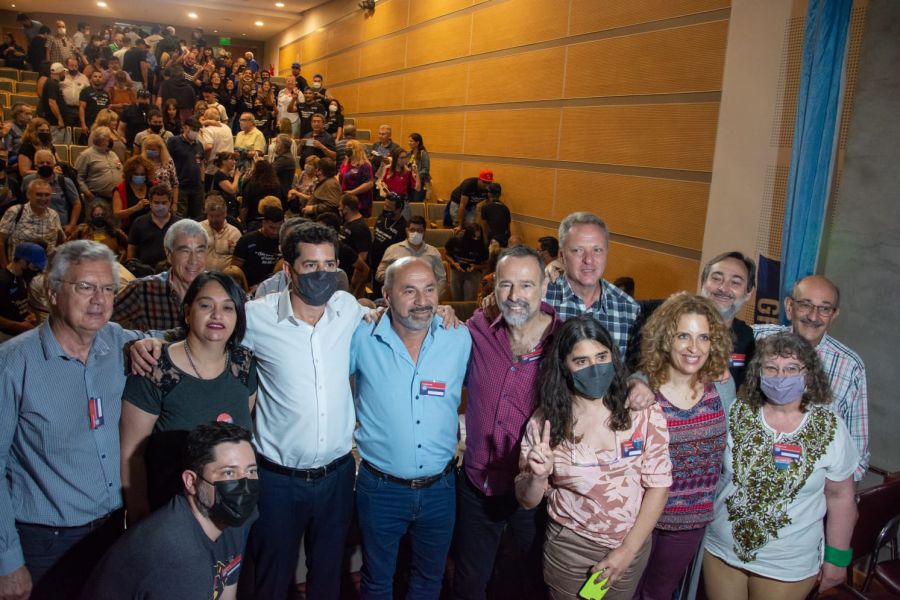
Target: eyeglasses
88,289
787,370
805,307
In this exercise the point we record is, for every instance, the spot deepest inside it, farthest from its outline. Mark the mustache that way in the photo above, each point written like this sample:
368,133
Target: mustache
422,309
510,304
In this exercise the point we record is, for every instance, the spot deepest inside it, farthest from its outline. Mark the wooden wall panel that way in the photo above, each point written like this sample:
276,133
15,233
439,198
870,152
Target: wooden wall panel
446,175
522,77
419,12
347,95
380,95
620,13
287,55
383,56
442,132
372,123
663,210
530,233
526,133
683,59
526,190
391,17
656,275
441,41
666,136
517,23
344,66
315,45
344,34
437,87
316,66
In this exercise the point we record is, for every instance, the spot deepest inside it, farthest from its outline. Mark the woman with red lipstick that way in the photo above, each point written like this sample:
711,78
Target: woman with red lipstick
685,347
207,376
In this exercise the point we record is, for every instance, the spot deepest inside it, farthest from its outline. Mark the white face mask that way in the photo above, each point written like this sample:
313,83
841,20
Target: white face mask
316,85
61,30
415,238
333,108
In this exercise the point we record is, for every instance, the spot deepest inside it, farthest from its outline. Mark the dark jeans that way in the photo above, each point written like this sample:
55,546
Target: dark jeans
481,522
60,559
319,511
190,202
670,556
388,511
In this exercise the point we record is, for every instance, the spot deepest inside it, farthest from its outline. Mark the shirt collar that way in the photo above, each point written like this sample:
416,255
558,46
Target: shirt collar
285,309
569,293
385,331
51,348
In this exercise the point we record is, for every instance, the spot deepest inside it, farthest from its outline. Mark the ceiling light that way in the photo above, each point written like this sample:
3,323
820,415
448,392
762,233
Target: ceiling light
259,23
215,31
101,4
279,4
192,15
243,34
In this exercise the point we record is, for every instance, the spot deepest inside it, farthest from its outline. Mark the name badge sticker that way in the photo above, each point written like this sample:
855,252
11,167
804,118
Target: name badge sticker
785,454
738,360
634,446
432,388
95,412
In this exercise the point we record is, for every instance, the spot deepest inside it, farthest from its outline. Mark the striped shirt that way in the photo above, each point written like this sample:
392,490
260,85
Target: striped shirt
847,373
696,447
616,310
58,470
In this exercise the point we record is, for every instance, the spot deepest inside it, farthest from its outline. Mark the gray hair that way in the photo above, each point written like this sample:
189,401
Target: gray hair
186,227
99,132
581,218
214,202
391,272
284,140
522,251
77,252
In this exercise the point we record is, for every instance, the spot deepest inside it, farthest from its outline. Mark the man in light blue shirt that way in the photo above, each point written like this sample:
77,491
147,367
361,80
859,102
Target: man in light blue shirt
409,376
61,384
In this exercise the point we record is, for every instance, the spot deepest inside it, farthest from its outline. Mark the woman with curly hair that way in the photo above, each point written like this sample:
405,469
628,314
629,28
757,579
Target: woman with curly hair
357,177
685,347
130,199
604,470
788,465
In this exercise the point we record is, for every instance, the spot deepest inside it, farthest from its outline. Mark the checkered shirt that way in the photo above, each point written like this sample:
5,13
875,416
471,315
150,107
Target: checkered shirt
148,303
616,310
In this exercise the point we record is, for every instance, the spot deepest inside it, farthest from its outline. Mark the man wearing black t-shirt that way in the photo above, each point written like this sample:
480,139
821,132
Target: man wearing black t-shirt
257,253
90,101
187,153
356,234
496,217
194,546
390,229
52,104
135,64
146,235
463,200
135,116
728,280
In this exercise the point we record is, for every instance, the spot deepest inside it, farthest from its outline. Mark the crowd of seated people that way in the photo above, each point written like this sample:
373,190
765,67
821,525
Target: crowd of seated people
229,238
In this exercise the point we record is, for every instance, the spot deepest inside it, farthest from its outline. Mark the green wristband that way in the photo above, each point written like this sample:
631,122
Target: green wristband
838,558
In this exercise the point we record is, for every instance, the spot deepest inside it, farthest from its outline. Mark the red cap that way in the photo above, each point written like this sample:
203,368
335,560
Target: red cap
486,175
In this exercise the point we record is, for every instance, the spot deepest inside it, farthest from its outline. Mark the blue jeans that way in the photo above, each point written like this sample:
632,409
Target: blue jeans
290,507
387,511
482,521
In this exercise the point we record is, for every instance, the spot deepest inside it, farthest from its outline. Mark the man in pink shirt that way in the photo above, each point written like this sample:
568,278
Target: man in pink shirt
501,380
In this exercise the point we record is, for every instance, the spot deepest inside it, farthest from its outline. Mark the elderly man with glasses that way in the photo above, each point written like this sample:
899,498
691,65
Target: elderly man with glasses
62,382
812,307
249,138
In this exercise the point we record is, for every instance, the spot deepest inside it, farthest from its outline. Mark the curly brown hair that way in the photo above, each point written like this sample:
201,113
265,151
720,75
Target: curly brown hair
661,329
787,344
134,162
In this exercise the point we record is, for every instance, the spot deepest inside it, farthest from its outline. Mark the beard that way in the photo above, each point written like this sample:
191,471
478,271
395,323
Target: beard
518,318
415,320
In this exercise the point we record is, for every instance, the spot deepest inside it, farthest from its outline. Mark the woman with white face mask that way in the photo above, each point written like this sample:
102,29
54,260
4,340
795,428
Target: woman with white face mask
334,119
789,463
603,469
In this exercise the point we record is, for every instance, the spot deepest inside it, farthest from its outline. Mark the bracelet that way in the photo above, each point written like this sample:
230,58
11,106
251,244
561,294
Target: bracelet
838,558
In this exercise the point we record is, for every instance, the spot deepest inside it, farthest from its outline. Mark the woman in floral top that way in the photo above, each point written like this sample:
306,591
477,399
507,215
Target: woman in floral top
789,463
604,470
685,347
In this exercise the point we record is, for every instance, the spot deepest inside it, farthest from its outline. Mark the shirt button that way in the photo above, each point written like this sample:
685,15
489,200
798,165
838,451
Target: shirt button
418,422
102,456
420,466
420,445
513,369
499,422
109,484
417,396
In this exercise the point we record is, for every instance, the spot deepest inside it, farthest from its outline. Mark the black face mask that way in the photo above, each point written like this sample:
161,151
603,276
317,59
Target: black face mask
156,128
235,501
44,137
45,170
593,382
29,274
98,221
317,287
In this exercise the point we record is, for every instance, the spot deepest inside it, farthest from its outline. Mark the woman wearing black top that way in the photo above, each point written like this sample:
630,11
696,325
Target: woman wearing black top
170,117
466,254
261,182
12,53
334,119
227,180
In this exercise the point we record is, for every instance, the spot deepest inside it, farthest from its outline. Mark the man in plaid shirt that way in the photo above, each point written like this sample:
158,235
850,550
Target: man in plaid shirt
812,307
584,243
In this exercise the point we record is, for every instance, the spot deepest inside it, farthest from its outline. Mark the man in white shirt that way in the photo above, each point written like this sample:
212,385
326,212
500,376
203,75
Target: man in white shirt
215,137
414,245
304,418
71,85
287,101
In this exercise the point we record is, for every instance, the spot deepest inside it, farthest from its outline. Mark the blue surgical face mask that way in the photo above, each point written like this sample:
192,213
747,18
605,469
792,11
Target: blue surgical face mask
138,179
152,153
783,389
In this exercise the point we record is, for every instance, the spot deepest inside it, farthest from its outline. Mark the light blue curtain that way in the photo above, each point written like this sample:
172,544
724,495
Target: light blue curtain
815,134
